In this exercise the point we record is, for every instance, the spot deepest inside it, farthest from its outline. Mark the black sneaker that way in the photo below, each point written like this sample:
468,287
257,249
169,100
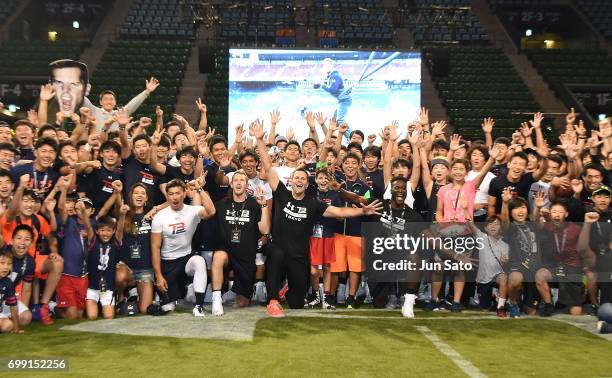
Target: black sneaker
592,309
547,309
350,303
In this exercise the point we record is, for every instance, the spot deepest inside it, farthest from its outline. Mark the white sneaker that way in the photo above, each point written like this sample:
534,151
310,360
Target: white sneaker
217,306
408,307
198,311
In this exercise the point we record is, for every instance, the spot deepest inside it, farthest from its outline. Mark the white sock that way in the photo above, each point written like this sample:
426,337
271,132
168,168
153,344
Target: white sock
501,302
216,295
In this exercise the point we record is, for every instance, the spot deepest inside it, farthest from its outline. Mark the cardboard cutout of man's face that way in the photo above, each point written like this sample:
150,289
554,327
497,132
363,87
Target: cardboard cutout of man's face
70,91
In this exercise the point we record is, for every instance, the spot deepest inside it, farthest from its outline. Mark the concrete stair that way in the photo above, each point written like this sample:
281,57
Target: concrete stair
5,28
106,33
530,76
193,83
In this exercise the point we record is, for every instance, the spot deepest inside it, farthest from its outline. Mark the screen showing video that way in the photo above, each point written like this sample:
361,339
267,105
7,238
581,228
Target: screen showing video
364,89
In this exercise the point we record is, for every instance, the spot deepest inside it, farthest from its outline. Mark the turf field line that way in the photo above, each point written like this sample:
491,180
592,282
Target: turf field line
466,366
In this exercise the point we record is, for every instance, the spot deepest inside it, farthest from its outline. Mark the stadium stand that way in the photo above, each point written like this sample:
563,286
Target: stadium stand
126,64
482,81
6,8
216,92
599,13
32,58
156,18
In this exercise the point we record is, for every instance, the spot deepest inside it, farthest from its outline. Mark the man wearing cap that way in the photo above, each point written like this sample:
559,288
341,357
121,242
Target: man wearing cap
594,240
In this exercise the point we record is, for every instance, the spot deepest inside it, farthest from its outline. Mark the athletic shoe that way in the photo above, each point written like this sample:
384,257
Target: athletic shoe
330,299
408,307
501,313
515,311
547,310
282,292
275,309
391,302
198,311
45,318
456,307
217,306
327,306
592,309
314,300
603,327
350,304
432,305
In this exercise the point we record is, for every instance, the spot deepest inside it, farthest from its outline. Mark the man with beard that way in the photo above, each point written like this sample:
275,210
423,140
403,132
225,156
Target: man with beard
295,215
43,176
242,219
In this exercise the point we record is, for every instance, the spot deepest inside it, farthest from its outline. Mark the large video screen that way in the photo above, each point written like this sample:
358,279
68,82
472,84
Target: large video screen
365,89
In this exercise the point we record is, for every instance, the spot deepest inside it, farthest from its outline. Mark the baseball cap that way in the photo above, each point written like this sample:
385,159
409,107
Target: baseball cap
439,160
601,189
280,138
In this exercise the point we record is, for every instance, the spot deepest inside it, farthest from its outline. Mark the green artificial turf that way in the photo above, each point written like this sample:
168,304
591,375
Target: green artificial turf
312,346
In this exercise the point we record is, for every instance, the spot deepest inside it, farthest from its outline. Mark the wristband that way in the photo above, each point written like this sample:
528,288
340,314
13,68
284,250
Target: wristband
264,205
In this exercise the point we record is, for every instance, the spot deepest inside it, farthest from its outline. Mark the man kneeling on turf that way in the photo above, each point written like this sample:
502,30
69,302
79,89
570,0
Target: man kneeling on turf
241,220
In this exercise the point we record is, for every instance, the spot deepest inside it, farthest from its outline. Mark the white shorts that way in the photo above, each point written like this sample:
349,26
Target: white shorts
106,298
260,259
6,310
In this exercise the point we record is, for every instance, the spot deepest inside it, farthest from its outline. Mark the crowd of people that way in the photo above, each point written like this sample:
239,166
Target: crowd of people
110,213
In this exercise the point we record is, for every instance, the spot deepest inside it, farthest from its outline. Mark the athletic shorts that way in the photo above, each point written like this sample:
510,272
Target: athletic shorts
139,275
322,251
174,274
244,275
349,255
6,310
571,288
39,260
71,292
105,298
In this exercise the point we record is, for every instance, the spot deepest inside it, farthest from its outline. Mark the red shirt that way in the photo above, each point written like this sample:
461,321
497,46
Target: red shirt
563,243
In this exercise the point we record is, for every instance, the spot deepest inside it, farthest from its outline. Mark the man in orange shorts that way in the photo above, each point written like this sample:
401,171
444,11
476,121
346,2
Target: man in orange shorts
48,267
349,255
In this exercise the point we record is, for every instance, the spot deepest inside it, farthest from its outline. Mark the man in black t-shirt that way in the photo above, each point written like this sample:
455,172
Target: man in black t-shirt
99,181
241,220
516,179
294,217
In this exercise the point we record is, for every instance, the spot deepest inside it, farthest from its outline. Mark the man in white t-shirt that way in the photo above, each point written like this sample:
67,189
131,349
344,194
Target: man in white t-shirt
172,232
292,155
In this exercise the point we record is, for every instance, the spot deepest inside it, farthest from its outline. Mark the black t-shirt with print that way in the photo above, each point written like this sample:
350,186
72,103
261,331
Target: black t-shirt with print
293,221
136,172
99,184
518,189
238,224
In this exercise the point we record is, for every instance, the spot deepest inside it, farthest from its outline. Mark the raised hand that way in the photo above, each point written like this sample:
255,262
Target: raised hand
580,129
117,186
24,180
33,116
59,117
320,118
591,217
256,129
540,199
526,130
275,117
570,118
122,117
310,120
200,105
333,124
46,92
424,116
392,135
259,197
494,152
438,128
50,204
371,139
414,137
151,84
455,142
537,120
372,208
290,134
506,194
487,125
159,113
577,185
124,209
240,132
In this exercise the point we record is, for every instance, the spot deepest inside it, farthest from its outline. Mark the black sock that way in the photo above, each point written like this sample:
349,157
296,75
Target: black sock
351,298
199,299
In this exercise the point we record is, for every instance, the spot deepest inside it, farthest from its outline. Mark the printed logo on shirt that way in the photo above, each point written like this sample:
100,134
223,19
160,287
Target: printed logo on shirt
241,217
296,213
147,178
178,228
107,185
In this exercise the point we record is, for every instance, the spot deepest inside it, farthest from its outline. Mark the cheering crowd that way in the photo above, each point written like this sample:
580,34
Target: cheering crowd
109,213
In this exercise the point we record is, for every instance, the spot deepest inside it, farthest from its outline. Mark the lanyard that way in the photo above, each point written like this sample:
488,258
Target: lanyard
391,214
24,266
493,252
235,226
528,240
560,248
35,175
